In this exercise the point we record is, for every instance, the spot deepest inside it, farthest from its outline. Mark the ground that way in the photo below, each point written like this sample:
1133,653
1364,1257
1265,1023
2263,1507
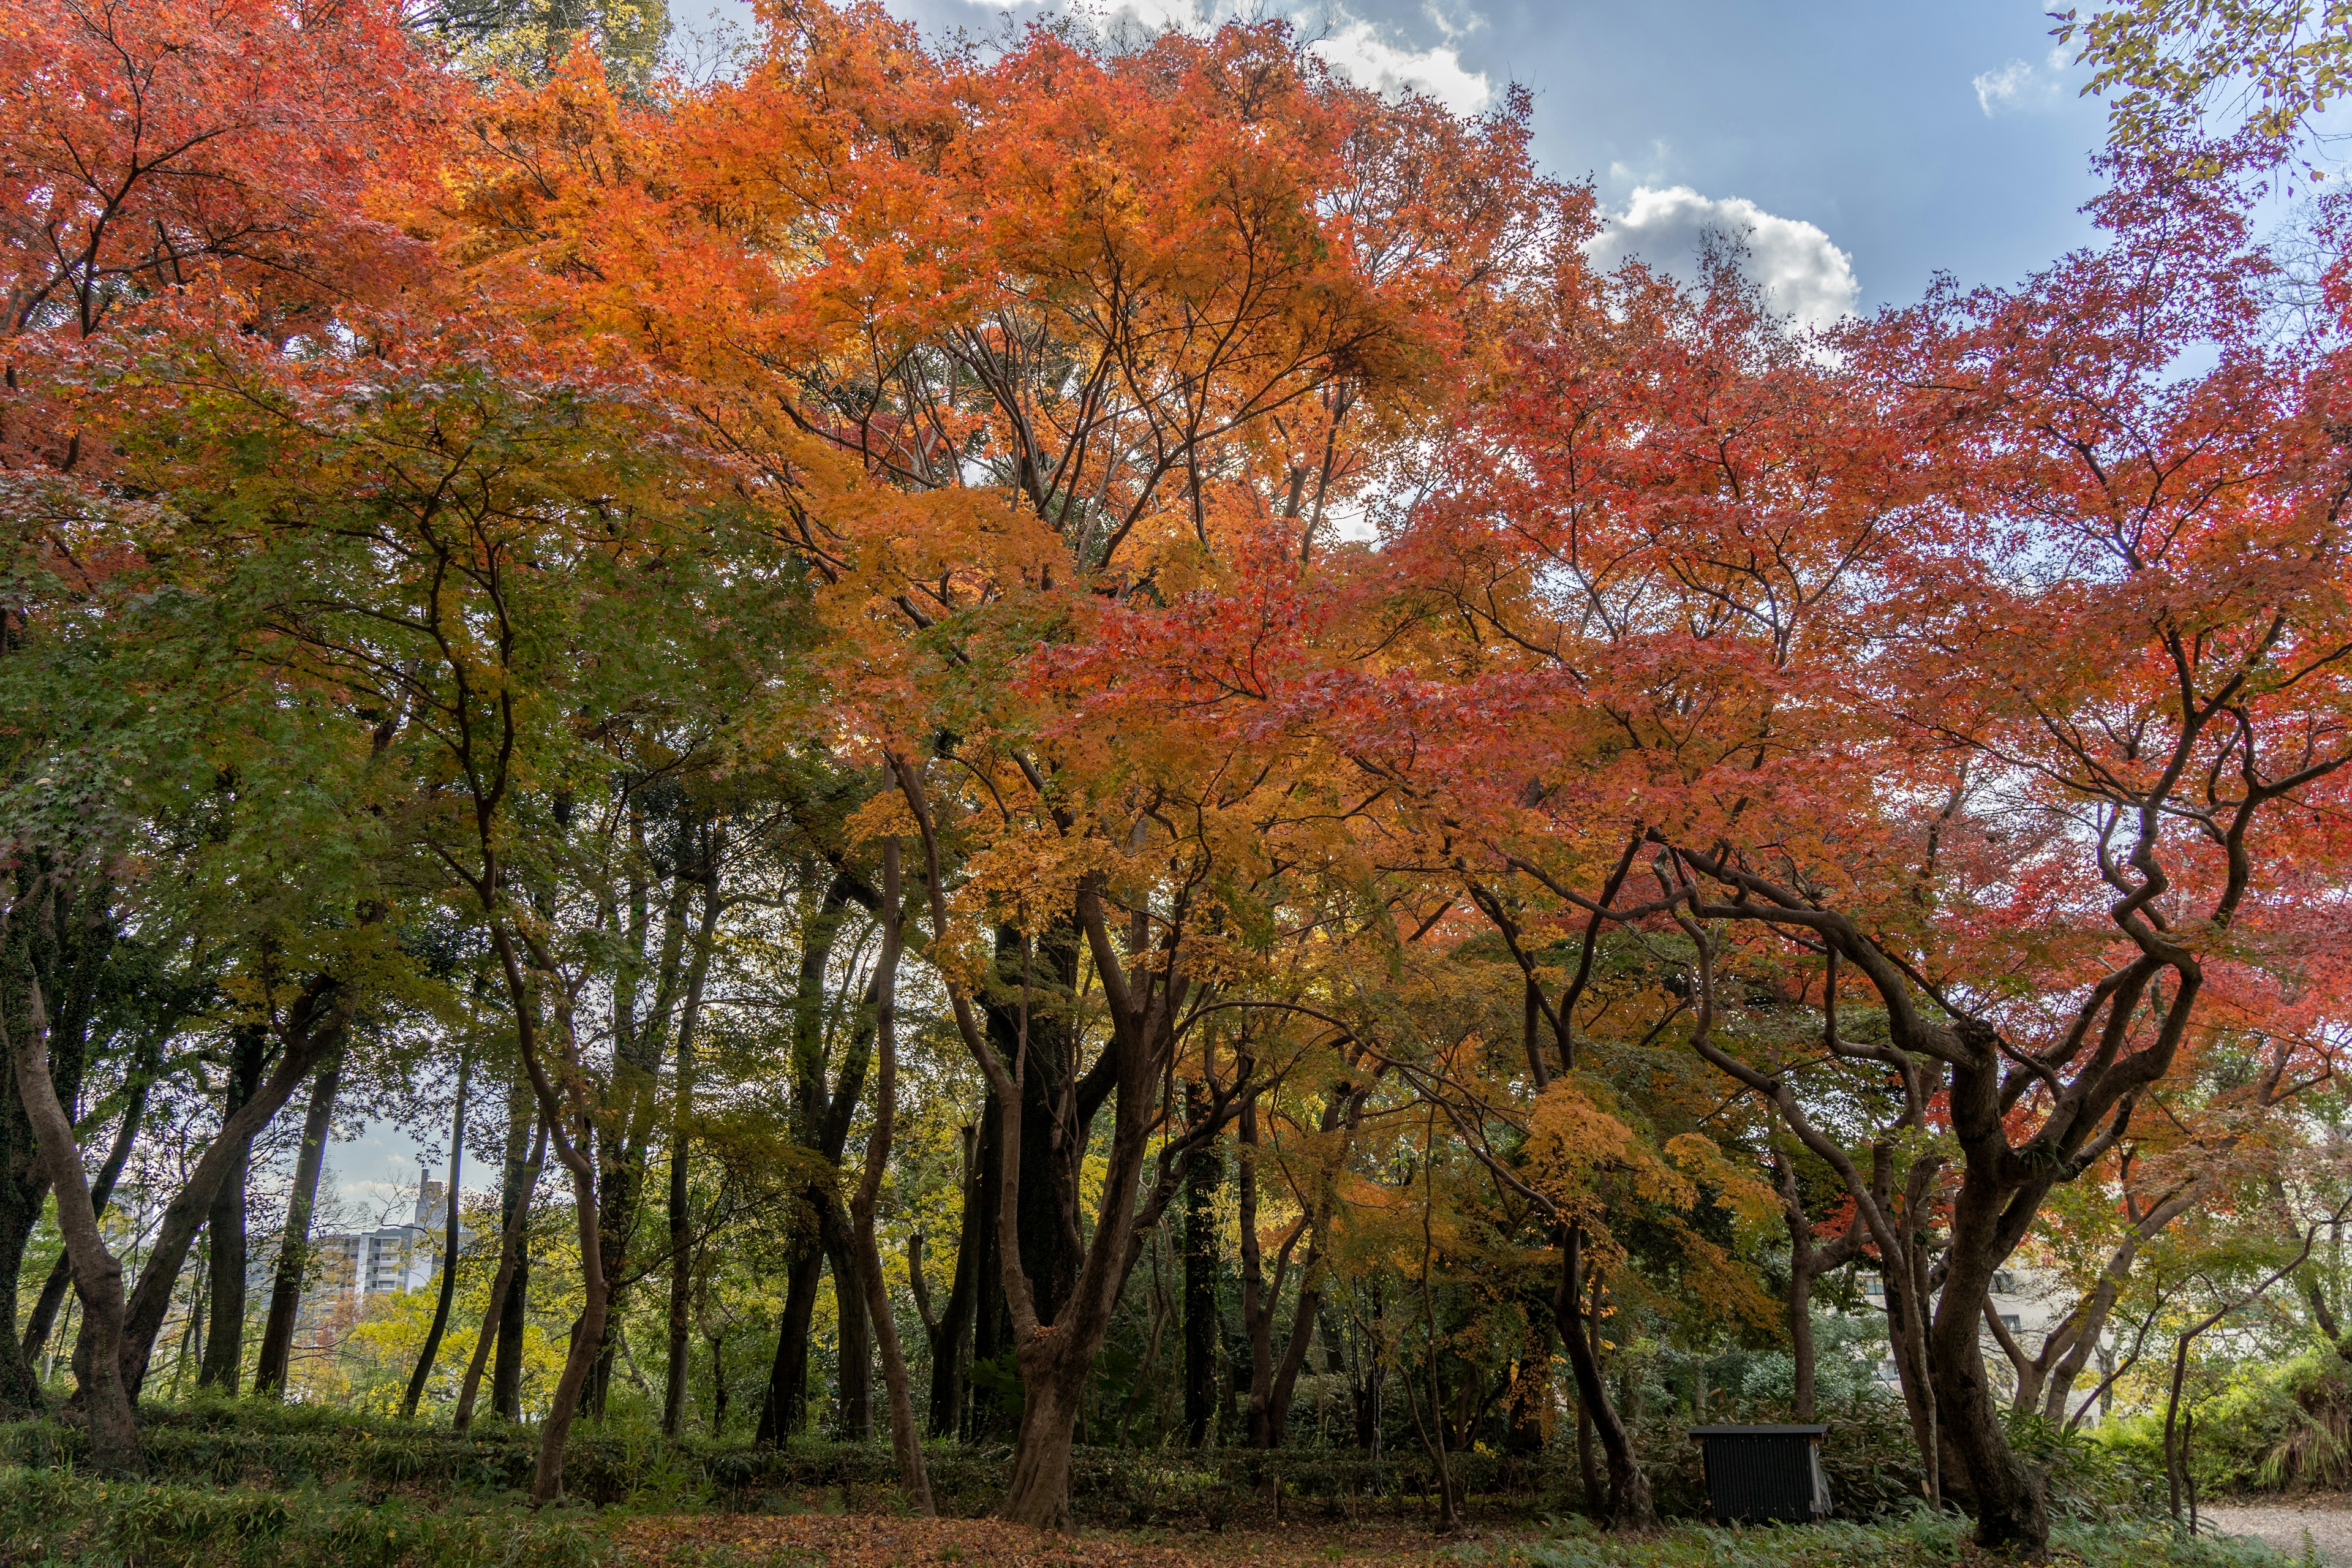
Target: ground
2324,1523
877,1540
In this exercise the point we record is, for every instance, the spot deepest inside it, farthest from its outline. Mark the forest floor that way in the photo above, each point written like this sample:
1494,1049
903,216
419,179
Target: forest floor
876,1540
2321,1525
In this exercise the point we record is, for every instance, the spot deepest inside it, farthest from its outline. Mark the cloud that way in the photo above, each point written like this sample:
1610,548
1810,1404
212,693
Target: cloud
1794,262
2020,88
1366,52
1160,15
1366,56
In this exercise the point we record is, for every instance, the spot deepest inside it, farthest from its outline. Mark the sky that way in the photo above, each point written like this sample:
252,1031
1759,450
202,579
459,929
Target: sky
1861,148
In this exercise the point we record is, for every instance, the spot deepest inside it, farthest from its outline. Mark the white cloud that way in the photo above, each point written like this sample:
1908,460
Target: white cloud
1365,55
1160,15
1363,51
1794,262
2019,87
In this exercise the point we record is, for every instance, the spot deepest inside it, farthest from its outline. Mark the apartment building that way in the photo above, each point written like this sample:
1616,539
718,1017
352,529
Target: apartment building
391,1258
2029,1303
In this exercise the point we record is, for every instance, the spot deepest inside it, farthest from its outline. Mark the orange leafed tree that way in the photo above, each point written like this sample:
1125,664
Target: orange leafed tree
1008,348
2014,682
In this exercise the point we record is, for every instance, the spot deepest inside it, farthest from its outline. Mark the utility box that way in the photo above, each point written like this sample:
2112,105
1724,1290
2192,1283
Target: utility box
1756,1474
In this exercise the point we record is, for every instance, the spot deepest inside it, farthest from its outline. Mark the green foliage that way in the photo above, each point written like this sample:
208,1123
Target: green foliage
1922,1540
2272,1426
2271,65
55,1516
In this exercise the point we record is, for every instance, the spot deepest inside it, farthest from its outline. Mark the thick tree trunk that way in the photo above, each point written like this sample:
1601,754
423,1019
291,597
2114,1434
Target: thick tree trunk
853,1409
990,1320
224,1357
2008,1495
513,1321
448,1252
1039,1495
1057,1107
294,1243
783,1413
1054,1357
98,1273
1530,1407
24,1184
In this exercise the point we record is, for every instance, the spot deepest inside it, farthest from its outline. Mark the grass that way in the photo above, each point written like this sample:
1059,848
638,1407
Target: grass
243,1484
60,1520
56,1519
1925,1540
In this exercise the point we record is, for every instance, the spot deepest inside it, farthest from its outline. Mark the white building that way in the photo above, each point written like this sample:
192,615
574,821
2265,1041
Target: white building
2029,1303
395,1258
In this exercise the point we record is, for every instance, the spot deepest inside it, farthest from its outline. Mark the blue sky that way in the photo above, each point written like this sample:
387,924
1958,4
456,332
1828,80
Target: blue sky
1902,137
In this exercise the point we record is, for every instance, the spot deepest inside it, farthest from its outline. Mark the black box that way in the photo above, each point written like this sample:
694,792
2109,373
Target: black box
1756,1474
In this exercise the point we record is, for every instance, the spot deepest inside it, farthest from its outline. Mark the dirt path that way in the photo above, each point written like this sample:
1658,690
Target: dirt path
2328,1521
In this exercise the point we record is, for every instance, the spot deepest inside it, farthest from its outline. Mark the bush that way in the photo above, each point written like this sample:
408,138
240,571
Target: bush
1917,1539
55,1517
2278,1426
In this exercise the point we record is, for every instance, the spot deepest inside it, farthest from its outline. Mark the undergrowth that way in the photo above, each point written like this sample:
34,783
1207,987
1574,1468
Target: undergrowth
1921,1540
57,1518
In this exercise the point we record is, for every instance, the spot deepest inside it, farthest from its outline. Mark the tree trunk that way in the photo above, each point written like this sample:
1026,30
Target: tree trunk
821,1119
681,1289
513,1319
502,1318
990,1319
587,1334
97,1272
1294,1349
1801,1338
853,1409
1054,1357
24,1184
717,1337
1039,1495
64,944
1200,1179
625,1139
1530,1408
314,1028
448,1252
681,1264
905,1441
101,1191
294,1245
952,1334
783,1413
2008,1495
1630,1508
224,1355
